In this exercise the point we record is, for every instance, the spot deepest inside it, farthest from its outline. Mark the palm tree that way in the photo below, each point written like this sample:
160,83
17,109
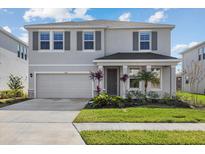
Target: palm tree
147,76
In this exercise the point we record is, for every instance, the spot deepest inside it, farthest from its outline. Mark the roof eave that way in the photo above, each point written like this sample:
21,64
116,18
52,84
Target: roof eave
136,60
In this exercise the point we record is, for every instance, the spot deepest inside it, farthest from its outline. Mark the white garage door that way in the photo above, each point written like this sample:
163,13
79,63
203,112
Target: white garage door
63,86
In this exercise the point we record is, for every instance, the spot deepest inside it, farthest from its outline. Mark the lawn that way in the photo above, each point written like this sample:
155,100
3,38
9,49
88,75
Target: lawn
189,96
141,114
10,101
143,137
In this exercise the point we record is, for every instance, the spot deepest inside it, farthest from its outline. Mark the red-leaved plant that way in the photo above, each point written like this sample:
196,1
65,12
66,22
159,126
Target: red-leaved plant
97,75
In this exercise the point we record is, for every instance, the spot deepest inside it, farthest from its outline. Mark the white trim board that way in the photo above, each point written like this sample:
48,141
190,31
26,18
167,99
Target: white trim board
57,65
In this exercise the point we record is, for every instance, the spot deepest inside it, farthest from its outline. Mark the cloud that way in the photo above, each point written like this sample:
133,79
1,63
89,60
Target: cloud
58,15
7,29
125,16
157,16
181,47
24,34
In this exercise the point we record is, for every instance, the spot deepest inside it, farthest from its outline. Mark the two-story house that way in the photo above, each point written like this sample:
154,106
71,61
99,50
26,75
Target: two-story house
61,55
13,59
193,64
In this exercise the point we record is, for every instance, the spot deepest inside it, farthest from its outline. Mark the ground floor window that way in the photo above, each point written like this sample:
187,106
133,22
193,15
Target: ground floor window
133,83
158,75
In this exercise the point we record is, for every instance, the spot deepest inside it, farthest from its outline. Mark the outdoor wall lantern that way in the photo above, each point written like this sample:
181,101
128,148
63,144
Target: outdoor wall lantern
31,75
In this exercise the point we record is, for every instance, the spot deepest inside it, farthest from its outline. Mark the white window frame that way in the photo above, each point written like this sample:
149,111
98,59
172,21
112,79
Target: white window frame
39,42
89,50
57,50
140,83
200,53
150,41
157,89
18,51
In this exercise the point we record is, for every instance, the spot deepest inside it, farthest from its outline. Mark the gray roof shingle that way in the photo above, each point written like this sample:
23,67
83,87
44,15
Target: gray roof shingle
135,56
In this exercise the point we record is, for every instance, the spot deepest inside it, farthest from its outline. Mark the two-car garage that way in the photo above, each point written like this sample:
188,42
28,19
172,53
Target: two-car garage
63,85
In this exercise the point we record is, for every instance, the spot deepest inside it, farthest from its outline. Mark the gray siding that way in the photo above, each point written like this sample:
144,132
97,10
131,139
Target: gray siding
187,58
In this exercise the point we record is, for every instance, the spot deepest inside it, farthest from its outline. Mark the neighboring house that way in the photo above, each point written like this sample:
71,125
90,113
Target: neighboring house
61,55
191,56
13,59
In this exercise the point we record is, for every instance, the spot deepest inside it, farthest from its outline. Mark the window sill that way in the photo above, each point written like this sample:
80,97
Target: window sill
88,50
51,51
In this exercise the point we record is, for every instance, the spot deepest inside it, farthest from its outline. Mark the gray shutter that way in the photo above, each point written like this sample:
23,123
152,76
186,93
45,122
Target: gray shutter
67,40
98,40
79,40
135,41
154,40
35,41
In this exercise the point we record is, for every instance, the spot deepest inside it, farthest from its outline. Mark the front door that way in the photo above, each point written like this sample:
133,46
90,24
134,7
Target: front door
112,81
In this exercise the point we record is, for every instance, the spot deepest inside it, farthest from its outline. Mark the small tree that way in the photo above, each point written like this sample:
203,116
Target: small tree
124,79
195,73
147,76
15,82
98,75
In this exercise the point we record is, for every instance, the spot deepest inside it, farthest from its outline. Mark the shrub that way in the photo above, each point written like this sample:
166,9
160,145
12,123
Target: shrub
135,94
101,100
152,95
104,100
15,82
11,94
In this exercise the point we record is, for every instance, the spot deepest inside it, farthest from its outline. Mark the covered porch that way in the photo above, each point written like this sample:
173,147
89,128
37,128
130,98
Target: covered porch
115,66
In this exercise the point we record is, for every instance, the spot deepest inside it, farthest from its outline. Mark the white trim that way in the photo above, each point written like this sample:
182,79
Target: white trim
150,41
89,50
58,50
58,65
39,41
71,72
139,60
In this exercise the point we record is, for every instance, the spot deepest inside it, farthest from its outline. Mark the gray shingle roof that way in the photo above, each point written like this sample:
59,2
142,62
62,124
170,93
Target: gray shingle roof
135,56
103,23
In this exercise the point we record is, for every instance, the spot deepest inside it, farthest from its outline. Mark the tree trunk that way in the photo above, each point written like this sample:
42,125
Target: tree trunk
145,89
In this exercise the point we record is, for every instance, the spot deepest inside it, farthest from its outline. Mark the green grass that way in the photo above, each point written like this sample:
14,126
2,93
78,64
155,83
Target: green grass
189,96
143,137
10,101
141,114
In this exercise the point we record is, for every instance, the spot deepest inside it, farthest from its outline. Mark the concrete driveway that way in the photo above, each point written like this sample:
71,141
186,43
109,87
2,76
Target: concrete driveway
41,121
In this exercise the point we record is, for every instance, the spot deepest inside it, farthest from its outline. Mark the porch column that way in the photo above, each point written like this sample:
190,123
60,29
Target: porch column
100,67
125,85
173,80
148,68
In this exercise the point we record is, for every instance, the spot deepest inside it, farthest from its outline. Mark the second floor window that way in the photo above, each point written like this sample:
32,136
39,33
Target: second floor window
200,53
88,40
58,41
45,40
22,52
18,51
144,40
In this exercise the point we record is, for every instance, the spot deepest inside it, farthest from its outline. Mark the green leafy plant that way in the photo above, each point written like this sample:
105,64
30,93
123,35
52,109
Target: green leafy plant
5,94
15,82
147,76
135,94
152,95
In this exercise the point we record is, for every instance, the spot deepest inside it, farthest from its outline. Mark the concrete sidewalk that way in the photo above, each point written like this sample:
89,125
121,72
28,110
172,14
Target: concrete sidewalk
140,126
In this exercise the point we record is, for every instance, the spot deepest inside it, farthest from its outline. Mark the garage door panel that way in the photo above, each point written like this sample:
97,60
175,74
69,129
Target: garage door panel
63,86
